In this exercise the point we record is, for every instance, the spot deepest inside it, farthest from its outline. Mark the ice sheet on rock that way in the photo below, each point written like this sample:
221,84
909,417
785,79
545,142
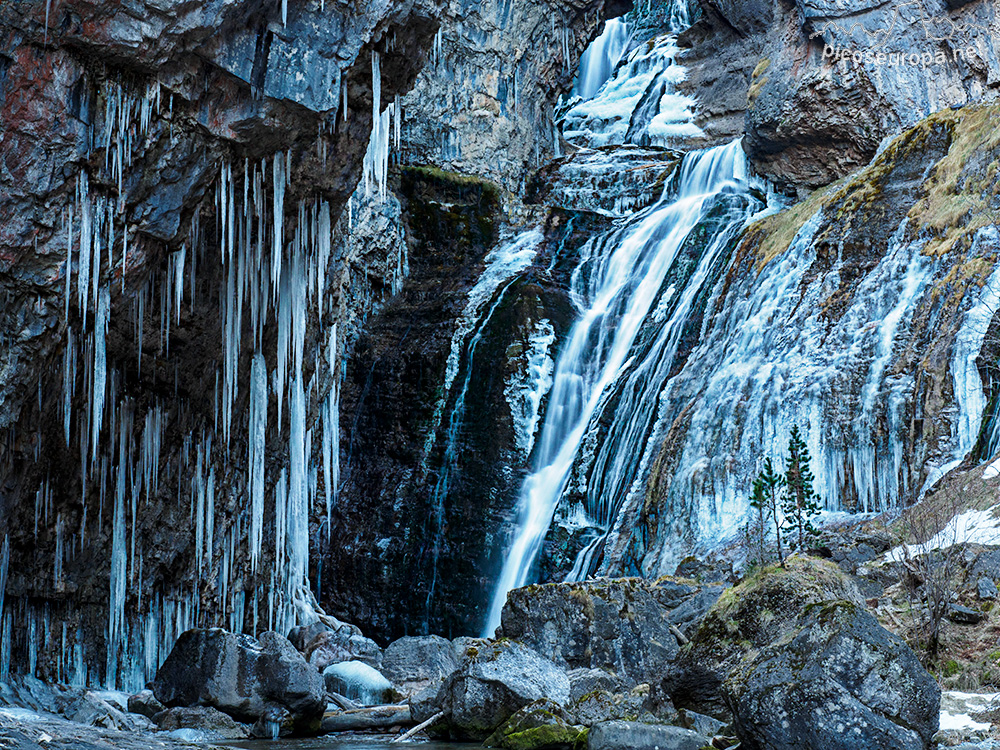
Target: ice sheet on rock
527,387
359,682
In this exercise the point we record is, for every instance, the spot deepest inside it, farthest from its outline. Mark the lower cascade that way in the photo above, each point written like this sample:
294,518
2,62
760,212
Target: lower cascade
566,376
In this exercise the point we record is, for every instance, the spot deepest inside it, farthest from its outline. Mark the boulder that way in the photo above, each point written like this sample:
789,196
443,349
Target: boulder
425,704
836,681
584,681
359,682
635,705
92,709
210,722
614,735
492,683
542,725
986,589
696,722
415,663
242,676
965,615
329,641
623,625
145,704
758,612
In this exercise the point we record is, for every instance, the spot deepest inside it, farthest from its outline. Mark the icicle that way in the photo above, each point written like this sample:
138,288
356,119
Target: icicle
69,370
69,259
258,434
116,599
4,562
99,384
331,429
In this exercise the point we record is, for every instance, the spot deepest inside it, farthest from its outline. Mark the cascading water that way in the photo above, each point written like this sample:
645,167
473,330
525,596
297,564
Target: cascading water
600,59
638,105
618,289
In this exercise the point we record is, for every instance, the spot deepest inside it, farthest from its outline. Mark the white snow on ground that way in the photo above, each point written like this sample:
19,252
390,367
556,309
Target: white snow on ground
971,527
961,721
957,707
993,470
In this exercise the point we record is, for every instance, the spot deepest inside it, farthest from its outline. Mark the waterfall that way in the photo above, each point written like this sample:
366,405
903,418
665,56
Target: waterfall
638,104
617,287
599,60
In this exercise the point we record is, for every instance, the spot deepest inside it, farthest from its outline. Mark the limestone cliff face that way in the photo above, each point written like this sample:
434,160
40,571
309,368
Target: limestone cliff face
821,85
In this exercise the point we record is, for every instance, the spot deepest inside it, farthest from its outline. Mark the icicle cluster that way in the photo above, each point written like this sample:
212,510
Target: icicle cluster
274,280
386,132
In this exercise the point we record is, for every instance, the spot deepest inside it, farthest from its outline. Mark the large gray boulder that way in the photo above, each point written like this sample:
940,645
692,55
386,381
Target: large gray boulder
615,735
493,682
415,663
624,626
761,611
245,677
838,681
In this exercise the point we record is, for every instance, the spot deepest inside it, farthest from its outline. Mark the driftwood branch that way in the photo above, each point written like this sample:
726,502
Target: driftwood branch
419,727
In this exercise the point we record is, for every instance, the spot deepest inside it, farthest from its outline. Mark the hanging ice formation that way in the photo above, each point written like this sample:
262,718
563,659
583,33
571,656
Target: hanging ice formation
274,276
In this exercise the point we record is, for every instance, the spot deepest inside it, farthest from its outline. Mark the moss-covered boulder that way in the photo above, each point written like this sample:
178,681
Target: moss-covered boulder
837,681
495,681
754,614
544,725
795,660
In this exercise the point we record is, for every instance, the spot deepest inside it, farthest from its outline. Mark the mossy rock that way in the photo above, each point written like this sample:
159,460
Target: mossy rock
760,611
543,725
548,737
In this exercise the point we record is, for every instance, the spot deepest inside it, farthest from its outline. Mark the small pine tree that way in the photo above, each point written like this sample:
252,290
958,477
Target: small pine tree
800,503
765,499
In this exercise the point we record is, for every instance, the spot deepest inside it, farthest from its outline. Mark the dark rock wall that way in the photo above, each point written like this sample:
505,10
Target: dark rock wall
154,123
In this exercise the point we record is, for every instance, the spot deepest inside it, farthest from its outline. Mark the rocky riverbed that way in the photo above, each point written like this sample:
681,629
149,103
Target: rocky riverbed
788,657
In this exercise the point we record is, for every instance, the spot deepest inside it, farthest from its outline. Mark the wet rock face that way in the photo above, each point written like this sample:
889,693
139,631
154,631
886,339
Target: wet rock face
484,103
384,529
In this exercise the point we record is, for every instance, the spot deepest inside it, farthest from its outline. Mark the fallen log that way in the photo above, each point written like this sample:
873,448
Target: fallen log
376,717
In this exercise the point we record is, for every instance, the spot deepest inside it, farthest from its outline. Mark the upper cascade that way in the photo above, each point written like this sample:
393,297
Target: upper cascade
601,58
638,105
